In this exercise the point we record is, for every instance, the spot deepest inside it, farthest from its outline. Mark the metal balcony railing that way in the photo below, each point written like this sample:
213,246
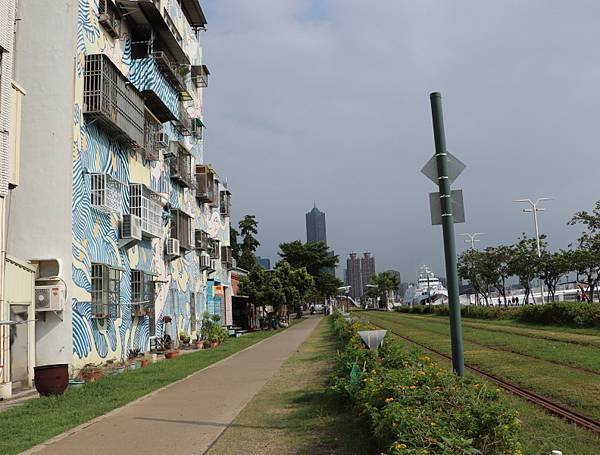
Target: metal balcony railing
225,204
200,75
183,124
174,73
181,166
108,99
154,137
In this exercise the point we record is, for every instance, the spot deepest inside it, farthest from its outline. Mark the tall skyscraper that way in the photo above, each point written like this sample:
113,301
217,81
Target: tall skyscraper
353,276
359,272
367,268
316,230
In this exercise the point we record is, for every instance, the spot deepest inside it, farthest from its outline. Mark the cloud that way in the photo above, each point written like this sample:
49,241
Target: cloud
328,100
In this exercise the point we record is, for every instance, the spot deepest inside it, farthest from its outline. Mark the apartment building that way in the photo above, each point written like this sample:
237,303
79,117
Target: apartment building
124,223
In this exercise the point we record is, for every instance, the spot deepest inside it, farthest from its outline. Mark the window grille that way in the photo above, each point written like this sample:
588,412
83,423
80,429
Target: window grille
153,137
181,166
142,294
181,228
205,183
200,75
183,124
110,99
226,257
108,18
105,193
145,203
106,292
225,205
215,249
201,240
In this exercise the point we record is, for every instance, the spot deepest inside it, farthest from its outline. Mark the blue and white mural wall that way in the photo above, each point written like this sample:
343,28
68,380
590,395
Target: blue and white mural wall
95,233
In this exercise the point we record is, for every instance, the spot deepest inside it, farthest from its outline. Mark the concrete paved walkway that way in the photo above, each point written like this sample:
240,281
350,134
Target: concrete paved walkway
188,416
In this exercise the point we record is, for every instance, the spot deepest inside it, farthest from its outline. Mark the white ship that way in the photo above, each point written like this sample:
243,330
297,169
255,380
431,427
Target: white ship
429,290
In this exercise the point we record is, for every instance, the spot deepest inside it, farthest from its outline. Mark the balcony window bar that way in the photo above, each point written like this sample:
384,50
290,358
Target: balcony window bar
145,204
181,228
106,292
142,294
153,137
205,183
181,165
108,98
105,193
226,257
183,124
200,75
225,205
201,240
215,251
173,73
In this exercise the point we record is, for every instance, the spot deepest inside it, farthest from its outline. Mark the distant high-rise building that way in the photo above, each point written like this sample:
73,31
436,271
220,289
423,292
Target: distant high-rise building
353,276
367,268
316,230
265,263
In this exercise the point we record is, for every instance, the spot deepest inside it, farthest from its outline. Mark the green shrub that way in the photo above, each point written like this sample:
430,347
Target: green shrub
578,314
416,407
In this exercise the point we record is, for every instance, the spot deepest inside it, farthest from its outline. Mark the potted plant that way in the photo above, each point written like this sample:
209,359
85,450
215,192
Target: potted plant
90,373
172,354
199,343
184,338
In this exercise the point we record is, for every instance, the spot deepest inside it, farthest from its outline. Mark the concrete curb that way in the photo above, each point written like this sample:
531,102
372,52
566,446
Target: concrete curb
41,446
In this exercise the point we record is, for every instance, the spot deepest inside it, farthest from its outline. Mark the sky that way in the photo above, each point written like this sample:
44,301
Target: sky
328,101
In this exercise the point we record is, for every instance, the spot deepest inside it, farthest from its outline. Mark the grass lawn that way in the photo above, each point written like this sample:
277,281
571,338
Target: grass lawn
542,432
579,390
295,412
40,419
561,352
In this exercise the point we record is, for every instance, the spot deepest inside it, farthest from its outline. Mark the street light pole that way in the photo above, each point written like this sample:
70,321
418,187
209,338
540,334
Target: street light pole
441,155
535,209
472,238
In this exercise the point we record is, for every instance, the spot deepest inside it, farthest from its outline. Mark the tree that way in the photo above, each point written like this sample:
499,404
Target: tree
384,282
586,263
248,229
586,258
297,285
553,266
524,263
473,267
316,258
233,241
263,288
496,264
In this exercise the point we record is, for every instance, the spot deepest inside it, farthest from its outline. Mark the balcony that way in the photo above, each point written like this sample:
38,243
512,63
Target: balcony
172,73
205,183
226,256
166,20
200,75
110,100
193,13
160,96
181,164
183,123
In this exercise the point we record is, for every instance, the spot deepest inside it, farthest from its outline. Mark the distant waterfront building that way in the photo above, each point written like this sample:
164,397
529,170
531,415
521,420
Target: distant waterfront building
316,230
367,268
353,276
265,263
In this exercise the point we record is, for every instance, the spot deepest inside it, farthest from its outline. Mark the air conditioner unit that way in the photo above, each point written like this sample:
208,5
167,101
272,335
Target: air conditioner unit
50,297
131,228
172,247
204,261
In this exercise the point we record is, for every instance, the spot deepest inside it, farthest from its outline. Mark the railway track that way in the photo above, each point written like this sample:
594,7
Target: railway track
549,405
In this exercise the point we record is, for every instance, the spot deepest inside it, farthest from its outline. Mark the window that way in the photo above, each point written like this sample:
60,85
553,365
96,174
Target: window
106,291
181,164
145,204
215,252
225,204
105,193
181,228
201,240
142,295
205,183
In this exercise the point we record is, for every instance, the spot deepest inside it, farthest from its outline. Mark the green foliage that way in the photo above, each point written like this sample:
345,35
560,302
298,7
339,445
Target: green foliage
316,258
385,282
211,329
416,407
263,287
248,230
297,284
233,241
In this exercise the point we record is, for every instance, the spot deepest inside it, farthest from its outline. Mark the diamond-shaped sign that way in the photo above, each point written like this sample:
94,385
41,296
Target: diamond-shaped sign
455,168
372,338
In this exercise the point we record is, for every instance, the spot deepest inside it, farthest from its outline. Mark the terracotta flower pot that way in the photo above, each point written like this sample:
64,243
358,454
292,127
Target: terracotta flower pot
199,345
51,379
171,354
214,344
145,363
